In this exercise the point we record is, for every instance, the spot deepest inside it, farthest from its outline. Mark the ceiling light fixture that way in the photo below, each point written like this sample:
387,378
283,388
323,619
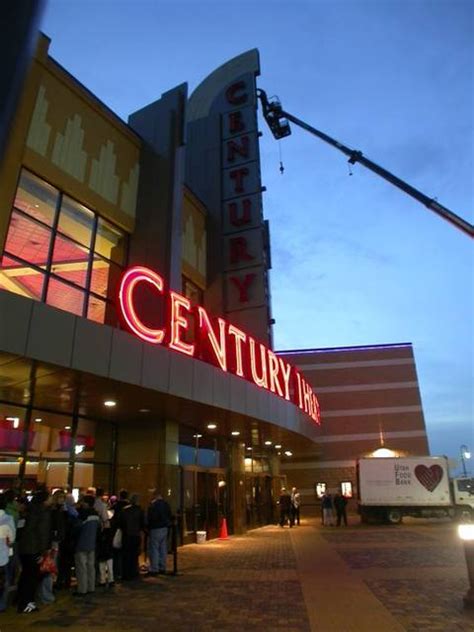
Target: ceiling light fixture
288,453
268,443
14,420
249,448
144,410
197,436
212,426
235,433
278,446
67,427
38,420
110,403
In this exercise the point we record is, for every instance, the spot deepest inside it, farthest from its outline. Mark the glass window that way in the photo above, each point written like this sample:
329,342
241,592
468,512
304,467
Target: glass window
96,309
9,472
28,239
37,198
70,260
466,485
29,250
346,489
192,291
320,489
105,277
12,424
110,241
76,221
21,279
65,297
49,448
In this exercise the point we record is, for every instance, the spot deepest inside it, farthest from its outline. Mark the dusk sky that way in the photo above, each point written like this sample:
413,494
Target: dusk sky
355,260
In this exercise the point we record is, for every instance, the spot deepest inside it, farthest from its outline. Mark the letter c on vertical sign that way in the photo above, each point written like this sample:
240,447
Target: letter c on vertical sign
130,280
232,93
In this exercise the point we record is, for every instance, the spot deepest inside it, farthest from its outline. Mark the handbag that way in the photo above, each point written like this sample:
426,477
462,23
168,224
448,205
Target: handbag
117,541
47,563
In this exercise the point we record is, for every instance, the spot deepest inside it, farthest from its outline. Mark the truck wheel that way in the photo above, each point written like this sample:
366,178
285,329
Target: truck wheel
394,516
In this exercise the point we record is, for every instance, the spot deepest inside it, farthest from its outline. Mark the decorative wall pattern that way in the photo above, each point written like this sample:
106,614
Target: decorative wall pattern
68,153
66,131
103,179
40,131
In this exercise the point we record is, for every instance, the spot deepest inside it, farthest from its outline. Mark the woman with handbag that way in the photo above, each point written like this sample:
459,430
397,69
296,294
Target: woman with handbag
34,540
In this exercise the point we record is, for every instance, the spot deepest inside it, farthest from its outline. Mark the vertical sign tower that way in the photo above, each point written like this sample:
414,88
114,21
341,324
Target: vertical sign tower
223,170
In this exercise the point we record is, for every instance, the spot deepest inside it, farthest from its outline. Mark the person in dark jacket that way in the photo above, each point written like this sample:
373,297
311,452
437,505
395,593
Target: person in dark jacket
158,520
340,503
34,539
285,507
87,528
132,523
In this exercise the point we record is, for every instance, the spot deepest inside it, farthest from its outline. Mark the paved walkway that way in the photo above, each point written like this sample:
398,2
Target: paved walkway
360,578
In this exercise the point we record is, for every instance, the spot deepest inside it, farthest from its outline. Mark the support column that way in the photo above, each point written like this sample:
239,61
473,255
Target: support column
147,459
236,485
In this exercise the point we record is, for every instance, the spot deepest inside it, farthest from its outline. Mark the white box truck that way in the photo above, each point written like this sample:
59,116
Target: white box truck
390,488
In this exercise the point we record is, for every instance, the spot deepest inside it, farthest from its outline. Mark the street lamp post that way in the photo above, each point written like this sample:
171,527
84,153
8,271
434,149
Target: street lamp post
466,533
465,454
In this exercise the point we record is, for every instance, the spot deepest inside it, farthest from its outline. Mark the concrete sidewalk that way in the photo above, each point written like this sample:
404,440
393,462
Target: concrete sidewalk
309,578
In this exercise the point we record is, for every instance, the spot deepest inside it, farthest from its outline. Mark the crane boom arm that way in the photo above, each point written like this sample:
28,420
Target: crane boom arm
277,120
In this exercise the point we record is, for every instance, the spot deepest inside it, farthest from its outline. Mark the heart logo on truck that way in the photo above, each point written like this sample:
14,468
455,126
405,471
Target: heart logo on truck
429,477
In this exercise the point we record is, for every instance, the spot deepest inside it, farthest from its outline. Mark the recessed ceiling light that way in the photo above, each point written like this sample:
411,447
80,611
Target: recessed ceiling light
278,446
110,403
38,420
288,453
14,420
144,410
268,443
235,433
212,426
249,448
67,427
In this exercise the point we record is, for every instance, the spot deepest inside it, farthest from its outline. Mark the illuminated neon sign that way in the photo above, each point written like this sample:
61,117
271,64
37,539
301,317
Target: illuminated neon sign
214,340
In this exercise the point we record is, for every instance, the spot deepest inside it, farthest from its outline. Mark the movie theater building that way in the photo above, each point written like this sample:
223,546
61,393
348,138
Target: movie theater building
371,407
135,320
135,323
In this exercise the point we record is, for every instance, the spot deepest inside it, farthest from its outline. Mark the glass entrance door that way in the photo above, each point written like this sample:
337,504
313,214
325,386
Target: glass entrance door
202,502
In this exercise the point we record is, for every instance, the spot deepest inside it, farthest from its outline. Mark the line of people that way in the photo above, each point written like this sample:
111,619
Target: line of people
48,539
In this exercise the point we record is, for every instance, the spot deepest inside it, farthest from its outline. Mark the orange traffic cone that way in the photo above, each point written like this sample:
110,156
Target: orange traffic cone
223,535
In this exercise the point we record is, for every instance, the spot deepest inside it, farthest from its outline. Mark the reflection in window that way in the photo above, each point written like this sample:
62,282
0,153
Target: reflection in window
28,239
70,260
96,310
65,297
105,277
12,423
110,242
21,279
76,221
30,263
192,291
36,198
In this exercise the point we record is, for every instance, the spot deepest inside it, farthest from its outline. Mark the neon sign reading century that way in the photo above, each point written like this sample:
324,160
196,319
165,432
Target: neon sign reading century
217,342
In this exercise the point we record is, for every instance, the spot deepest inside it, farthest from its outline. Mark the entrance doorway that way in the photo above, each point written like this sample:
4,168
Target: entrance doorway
259,500
203,501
